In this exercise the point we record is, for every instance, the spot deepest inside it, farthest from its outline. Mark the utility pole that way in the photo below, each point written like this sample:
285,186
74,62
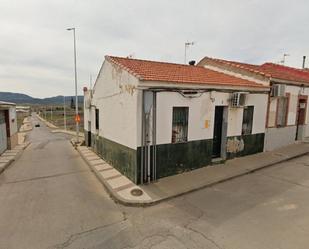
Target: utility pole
76,97
64,115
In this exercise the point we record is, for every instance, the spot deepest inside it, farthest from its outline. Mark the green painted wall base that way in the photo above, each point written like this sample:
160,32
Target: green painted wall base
181,157
171,159
253,144
119,156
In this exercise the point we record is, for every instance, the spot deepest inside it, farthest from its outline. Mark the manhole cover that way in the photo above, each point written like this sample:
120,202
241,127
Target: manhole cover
136,192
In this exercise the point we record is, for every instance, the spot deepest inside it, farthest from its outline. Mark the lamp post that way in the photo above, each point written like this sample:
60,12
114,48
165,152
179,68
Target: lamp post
64,115
76,98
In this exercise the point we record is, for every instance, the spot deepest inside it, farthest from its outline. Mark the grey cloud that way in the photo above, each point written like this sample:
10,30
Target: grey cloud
36,50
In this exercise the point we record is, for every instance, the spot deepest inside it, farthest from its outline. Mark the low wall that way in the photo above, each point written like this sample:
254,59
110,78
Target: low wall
278,137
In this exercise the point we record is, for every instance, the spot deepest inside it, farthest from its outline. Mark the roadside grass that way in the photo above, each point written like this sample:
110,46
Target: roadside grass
57,118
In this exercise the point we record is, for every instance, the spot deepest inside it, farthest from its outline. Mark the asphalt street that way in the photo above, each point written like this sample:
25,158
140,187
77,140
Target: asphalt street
49,198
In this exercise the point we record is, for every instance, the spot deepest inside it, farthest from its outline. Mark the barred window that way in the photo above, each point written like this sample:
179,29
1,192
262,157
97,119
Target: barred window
247,120
180,124
282,111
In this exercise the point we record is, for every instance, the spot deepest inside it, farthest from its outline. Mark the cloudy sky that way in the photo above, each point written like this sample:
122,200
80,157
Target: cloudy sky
36,51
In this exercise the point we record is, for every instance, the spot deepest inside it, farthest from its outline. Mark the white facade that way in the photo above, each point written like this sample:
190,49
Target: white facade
117,92
135,122
201,114
8,126
115,95
275,136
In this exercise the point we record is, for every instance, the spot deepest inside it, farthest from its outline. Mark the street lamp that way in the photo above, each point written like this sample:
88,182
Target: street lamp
76,98
64,115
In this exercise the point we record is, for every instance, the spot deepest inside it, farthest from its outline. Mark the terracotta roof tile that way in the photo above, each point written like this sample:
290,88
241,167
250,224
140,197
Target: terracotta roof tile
178,73
286,73
271,70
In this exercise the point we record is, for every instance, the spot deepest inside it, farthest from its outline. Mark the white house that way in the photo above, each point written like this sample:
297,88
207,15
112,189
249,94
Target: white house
287,116
153,119
8,126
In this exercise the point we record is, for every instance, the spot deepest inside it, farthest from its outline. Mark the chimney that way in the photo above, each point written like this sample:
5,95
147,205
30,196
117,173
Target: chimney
191,63
304,61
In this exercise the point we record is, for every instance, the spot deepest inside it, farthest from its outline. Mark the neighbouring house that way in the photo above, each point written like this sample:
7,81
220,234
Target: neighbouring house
23,110
153,119
287,115
8,126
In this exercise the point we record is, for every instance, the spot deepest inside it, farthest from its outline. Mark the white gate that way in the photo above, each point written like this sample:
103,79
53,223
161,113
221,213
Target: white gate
3,135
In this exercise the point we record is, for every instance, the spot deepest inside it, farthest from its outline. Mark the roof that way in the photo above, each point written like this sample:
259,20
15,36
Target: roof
286,73
270,70
146,70
246,66
7,103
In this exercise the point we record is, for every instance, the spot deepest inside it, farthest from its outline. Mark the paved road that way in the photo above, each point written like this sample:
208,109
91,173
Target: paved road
50,199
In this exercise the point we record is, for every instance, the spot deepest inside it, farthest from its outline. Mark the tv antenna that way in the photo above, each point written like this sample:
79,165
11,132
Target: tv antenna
187,45
282,62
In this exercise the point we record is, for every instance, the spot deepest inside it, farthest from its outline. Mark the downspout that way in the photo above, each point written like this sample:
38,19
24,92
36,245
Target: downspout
142,139
154,134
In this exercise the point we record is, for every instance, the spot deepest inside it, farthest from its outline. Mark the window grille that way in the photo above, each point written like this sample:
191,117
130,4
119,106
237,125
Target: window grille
247,120
180,124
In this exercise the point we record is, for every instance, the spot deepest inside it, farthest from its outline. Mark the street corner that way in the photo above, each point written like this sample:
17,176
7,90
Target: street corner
120,188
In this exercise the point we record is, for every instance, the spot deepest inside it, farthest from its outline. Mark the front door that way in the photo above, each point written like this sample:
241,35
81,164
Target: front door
217,137
89,134
3,133
301,117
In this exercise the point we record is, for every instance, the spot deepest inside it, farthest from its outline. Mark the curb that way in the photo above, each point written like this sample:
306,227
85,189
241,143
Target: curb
155,202
81,135
48,124
114,195
7,164
24,124
117,198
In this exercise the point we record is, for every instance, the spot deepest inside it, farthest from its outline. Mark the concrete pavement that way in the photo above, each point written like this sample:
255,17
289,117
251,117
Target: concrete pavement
50,199
120,187
49,195
10,156
267,209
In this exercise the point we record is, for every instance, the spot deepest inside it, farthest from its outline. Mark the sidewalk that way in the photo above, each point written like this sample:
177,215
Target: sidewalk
73,133
26,126
48,124
10,156
120,187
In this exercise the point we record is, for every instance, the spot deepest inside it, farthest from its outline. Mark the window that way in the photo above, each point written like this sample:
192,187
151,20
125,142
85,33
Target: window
282,110
180,124
97,122
247,120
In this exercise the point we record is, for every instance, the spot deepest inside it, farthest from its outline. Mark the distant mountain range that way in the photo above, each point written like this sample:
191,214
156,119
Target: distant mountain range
20,98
